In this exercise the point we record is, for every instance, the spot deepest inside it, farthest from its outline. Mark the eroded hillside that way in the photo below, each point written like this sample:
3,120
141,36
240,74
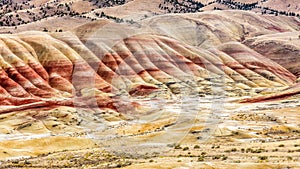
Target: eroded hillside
175,78
163,54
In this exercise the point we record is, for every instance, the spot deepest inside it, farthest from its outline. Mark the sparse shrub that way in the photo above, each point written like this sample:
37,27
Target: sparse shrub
200,159
263,157
281,145
185,148
233,150
227,151
177,146
257,151
196,147
216,157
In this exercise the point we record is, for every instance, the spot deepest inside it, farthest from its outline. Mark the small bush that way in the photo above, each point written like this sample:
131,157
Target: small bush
185,148
200,158
177,146
203,153
196,147
249,150
224,158
216,157
227,151
263,157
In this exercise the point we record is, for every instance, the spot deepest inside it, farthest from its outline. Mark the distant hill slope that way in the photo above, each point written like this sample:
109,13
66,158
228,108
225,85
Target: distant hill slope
19,15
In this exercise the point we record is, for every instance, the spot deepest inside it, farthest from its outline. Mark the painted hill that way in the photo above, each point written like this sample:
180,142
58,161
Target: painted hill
166,55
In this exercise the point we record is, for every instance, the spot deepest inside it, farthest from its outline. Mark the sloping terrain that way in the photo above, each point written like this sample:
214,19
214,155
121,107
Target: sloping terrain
158,57
157,82
51,16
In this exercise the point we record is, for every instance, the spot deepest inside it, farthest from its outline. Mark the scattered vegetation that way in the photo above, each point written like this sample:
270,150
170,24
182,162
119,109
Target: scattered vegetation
12,13
71,159
116,19
107,3
18,13
183,6
250,6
